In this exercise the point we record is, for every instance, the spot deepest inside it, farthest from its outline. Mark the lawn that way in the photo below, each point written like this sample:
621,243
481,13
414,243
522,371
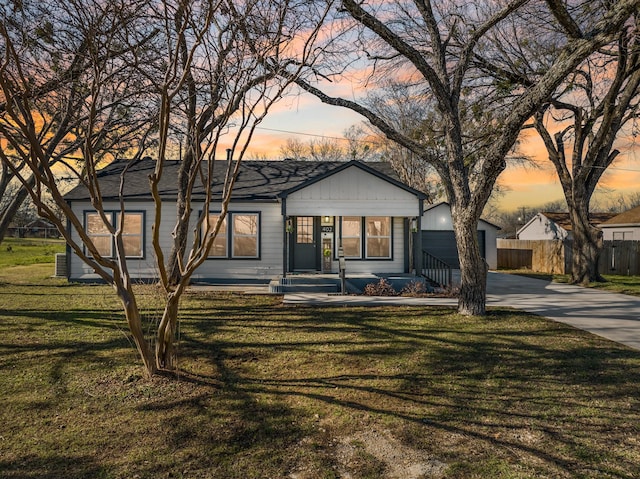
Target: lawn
25,251
269,391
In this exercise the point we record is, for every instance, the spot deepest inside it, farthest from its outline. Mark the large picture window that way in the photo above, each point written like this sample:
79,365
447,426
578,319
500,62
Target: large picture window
371,235
239,234
104,241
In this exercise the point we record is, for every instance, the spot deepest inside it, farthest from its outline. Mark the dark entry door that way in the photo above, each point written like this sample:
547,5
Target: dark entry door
305,244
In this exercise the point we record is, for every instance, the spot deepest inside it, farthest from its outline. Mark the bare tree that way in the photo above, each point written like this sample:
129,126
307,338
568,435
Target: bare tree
53,65
357,144
227,65
598,100
437,46
163,48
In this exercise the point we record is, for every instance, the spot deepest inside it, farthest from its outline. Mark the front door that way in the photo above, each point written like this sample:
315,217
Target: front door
305,244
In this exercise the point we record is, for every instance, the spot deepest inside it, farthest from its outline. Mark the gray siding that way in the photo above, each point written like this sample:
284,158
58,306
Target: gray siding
267,266
352,192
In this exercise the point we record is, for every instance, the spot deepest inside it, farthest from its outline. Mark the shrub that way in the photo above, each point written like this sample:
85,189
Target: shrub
414,288
381,288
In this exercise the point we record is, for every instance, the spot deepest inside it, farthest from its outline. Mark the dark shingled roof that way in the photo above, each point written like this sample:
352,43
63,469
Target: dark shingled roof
257,180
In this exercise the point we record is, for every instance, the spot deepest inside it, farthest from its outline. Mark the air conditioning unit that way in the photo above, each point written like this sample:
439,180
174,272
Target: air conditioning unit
61,265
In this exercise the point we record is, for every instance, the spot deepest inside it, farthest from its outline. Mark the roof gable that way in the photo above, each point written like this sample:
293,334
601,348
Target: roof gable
357,164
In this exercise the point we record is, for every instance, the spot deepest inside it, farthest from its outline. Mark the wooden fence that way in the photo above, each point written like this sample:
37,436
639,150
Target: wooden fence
542,256
554,256
620,257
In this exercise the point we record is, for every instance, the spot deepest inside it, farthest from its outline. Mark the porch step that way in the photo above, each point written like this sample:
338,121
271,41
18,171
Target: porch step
303,285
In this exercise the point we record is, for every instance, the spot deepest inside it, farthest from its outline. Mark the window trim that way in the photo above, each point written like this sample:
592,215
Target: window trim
113,214
230,235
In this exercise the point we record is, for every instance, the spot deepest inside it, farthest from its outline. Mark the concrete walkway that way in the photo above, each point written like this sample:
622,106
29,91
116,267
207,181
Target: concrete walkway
610,315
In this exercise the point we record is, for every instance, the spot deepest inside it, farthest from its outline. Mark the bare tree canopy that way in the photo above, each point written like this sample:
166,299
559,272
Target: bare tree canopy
48,61
591,110
441,51
98,81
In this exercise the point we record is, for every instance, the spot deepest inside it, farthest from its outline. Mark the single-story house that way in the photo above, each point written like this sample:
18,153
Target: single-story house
284,217
554,226
438,238
623,227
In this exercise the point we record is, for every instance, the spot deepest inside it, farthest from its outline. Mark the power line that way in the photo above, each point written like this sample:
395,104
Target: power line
300,133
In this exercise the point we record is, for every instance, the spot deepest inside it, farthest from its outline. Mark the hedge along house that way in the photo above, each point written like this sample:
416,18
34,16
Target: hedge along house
284,217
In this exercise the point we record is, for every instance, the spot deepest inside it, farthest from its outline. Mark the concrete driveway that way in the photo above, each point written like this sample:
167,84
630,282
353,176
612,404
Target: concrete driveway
613,316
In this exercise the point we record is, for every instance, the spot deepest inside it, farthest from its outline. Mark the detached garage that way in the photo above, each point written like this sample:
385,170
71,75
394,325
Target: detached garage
439,240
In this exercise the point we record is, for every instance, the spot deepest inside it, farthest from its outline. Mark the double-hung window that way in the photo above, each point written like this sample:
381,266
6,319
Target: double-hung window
244,236
378,243
238,236
351,230
104,241
219,246
370,235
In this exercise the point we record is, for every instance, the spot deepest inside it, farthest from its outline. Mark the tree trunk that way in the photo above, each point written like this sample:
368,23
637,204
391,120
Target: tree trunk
132,313
165,344
473,269
7,215
587,245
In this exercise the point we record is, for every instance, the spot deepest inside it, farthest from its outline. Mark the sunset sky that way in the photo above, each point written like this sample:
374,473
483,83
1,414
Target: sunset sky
526,186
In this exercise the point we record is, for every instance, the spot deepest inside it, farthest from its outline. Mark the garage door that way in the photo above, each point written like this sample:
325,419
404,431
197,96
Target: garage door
442,245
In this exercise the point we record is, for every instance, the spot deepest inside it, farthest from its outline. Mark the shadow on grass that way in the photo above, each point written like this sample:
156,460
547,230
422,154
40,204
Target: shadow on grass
255,378
52,466
487,384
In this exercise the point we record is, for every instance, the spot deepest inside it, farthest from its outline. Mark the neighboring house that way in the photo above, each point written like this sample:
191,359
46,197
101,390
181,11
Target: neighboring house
38,228
623,227
554,226
438,238
284,216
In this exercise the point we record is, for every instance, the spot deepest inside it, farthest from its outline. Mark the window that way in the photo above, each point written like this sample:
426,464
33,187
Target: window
245,235
351,233
378,243
99,233
219,246
622,235
304,229
374,239
104,241
132,234
238,234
